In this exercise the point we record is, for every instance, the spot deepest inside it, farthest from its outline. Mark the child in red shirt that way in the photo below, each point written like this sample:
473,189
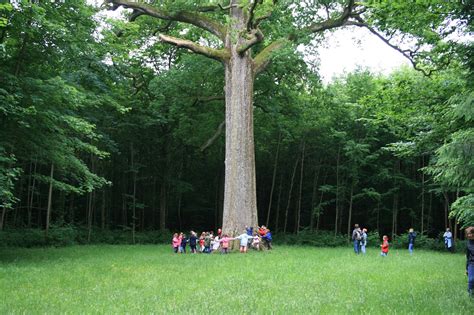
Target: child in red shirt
384,246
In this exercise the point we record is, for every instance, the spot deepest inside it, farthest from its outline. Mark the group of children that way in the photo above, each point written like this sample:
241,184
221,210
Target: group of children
208,243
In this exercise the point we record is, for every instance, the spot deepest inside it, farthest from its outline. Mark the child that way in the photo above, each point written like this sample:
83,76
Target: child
256,242
448,240
225,244
207,243
201,241
175,243
384,246
244,241
470,260
268,238
193,242
363,240
411,240
182,248
215,243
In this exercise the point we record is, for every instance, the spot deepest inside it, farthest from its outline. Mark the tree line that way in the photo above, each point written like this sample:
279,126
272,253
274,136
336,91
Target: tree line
106,127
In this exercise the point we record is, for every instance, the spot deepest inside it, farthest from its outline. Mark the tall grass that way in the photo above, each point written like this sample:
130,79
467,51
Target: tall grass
150,279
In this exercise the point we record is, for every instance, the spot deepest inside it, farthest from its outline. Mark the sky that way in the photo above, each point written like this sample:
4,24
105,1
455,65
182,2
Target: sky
352,47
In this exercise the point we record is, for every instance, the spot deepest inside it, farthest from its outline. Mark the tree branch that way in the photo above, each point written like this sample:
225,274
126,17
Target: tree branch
193,18
407,53
333,23
262,60
256,36
213,138
217,54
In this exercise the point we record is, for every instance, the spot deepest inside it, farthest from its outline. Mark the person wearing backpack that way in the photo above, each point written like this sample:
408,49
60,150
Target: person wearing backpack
356,238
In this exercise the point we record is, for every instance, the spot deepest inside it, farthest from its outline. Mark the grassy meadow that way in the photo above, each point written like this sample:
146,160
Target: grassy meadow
110,279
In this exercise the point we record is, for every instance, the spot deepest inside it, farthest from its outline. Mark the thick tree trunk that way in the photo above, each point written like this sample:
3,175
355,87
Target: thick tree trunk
240,200
273,180
50,198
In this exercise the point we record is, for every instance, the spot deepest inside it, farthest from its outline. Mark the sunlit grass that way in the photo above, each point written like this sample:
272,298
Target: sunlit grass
150,279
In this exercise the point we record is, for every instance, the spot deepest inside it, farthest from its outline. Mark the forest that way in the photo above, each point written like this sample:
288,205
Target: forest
124,123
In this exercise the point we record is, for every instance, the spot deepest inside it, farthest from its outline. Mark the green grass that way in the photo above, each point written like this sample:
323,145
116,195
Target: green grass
150,279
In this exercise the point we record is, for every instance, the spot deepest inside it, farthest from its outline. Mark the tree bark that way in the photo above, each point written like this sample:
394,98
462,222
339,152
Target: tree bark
50,198
240,200
273,180
395,199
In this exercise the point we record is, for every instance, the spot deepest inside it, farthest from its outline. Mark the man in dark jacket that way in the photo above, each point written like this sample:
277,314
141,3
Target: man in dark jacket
470,260
356,237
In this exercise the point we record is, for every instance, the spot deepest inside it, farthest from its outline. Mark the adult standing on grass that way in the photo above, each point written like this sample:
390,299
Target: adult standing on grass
470,260
411,240
448,240
356,237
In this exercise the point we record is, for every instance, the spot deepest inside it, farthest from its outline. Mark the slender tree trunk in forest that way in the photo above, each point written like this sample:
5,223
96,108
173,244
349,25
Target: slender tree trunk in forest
277,217
430,211
455,221
395,199
336,219
298,212
2,218
71,209
32,194
50,199
289,194
378,215
153,203
102,212
349,218
313,196
89,216
422,195
446,209
134,192
163,207
275,164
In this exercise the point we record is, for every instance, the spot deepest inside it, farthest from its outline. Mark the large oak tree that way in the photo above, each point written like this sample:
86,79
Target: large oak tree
250,33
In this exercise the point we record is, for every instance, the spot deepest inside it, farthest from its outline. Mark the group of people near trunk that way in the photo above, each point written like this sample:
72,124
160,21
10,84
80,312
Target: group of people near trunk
207,243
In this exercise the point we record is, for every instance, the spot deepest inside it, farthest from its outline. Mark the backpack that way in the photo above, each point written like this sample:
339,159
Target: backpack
358,235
